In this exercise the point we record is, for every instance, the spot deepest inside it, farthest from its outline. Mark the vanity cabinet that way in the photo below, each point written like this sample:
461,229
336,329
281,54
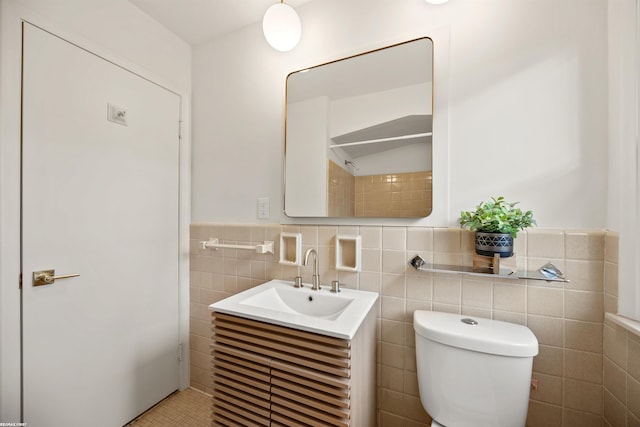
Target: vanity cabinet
271,375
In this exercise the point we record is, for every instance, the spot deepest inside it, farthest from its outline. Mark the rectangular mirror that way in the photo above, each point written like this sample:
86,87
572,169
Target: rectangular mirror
358,135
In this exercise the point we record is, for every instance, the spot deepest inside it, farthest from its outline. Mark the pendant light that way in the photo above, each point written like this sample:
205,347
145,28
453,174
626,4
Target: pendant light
281,26
436,1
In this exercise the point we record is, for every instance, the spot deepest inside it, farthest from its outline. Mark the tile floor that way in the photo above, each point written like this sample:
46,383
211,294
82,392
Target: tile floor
187,408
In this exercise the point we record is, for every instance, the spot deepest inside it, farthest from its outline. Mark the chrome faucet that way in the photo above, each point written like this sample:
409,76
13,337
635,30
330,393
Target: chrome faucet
315,278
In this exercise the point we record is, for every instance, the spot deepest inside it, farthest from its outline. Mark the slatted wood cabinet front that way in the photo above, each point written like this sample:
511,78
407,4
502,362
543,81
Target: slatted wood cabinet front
269,375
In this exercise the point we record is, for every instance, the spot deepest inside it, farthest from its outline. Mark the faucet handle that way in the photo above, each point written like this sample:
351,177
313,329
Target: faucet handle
298,282
335,286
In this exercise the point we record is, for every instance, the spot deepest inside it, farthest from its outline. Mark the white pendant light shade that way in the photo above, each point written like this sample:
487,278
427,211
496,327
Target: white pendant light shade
281,26
436,1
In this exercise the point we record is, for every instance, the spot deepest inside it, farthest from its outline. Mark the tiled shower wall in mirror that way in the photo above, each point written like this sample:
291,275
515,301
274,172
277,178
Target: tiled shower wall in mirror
394,195
579,383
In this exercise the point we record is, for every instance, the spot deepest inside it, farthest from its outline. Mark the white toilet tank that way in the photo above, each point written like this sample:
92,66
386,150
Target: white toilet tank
473,372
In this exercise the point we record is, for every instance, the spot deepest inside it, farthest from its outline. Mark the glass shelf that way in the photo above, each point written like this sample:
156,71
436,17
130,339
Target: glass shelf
504,273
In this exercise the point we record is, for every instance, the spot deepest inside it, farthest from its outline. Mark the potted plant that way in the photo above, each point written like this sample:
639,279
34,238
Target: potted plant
496,223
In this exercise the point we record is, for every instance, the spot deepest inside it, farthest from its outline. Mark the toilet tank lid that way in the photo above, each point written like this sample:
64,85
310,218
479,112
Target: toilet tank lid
486,336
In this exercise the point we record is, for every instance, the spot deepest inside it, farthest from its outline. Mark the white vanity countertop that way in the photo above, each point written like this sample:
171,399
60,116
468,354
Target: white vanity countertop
277,302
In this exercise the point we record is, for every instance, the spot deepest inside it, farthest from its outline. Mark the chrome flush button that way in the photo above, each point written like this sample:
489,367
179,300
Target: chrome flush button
469,321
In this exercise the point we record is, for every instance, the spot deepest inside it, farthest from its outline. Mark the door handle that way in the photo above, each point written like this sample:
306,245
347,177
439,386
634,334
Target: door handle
48,277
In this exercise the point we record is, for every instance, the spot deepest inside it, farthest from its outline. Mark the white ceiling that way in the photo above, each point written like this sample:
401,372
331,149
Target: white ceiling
197,21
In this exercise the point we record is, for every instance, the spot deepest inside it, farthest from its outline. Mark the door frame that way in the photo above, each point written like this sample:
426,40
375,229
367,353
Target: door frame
11,19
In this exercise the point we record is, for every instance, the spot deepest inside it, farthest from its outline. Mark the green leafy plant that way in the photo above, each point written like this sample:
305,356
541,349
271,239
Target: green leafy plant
497,216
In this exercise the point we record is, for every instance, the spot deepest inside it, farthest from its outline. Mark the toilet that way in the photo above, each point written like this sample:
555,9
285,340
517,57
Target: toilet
473,372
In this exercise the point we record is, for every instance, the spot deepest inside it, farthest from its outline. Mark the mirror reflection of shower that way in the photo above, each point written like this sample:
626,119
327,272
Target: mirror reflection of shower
358,133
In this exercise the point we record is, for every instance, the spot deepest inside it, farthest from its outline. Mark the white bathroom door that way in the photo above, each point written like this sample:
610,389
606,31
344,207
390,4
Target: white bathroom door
100,200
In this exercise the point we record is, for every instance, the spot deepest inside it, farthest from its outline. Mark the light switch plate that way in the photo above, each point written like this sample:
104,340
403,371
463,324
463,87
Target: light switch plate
263,208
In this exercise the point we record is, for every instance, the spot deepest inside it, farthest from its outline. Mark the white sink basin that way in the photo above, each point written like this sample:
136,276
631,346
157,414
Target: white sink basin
278,302
297,301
